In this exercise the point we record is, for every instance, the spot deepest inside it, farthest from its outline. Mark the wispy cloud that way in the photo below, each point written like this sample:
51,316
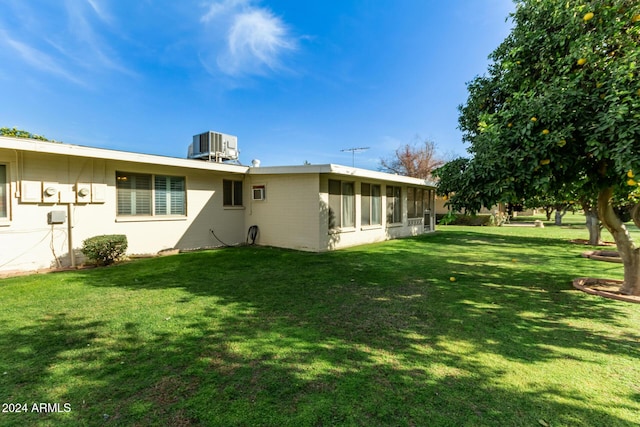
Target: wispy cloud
254,39
100,11
95,51
37,58
216,9
68,40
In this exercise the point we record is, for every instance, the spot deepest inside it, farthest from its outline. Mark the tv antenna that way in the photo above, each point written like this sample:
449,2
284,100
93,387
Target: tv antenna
353,153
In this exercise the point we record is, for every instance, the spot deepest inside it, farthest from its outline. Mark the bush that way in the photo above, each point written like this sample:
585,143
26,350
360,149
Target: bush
105,250
462,219
475,220
447,219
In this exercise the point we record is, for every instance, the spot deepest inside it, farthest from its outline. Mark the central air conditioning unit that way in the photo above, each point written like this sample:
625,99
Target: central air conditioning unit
214,147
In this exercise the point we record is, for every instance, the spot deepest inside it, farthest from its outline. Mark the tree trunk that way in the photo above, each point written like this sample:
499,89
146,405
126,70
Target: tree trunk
628,251
547,211
593,225
559,216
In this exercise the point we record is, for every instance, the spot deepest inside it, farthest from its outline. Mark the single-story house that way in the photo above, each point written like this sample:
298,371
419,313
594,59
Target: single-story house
55,195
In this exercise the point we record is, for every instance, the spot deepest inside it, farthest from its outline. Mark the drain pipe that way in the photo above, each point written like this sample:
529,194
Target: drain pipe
72,255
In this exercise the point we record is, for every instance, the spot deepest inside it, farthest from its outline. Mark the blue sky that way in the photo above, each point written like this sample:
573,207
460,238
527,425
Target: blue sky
295,81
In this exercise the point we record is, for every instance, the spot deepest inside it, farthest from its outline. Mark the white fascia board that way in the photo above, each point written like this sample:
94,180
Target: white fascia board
339,170
23,144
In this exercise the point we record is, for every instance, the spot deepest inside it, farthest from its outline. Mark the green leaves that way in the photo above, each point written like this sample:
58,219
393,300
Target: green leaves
560,100
17,133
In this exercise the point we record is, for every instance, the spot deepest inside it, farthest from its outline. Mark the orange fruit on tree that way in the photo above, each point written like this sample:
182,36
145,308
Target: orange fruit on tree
545,161
636,18
533,119
545,132
582,61
631,182
630,173
587,16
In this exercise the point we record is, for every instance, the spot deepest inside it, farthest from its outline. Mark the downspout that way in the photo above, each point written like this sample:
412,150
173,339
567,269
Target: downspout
72,255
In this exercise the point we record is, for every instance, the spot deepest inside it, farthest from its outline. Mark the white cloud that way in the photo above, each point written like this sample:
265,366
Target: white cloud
255,40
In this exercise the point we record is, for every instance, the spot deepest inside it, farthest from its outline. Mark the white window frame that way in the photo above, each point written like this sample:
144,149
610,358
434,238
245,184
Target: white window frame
4,193
394,204
368,205
236,187
342,205
415,205
153,208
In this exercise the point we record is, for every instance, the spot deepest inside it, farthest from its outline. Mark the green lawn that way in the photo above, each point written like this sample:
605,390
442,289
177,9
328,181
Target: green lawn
371,336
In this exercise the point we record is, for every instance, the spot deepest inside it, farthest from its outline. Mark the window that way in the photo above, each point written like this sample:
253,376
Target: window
138,193
371,204
394,204
417,202
231,193
134,193
342,201
4,199
169,195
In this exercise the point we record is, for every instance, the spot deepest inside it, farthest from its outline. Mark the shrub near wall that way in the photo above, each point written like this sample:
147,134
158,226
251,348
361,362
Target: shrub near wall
475,220
106,249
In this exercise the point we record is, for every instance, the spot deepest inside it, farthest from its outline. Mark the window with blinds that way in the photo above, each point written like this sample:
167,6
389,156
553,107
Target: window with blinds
169,194
145,194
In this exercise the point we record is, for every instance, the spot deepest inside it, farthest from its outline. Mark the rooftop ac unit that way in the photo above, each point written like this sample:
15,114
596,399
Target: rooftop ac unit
214,146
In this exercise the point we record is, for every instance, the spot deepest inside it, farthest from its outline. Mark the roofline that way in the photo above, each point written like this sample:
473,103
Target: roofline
32,145
24,144
339,170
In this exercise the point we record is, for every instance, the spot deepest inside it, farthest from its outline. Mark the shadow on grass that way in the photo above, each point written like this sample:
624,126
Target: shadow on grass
368,336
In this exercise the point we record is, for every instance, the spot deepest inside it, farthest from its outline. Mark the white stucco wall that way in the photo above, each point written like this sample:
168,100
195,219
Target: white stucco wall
28,242
288,216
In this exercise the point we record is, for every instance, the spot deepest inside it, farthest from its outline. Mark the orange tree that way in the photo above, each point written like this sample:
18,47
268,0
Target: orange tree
559,106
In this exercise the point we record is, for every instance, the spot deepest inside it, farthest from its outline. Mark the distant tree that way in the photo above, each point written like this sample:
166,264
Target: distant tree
560,105
17,133
417,160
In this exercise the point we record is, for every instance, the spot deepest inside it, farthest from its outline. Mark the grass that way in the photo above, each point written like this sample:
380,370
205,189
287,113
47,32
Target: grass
376,335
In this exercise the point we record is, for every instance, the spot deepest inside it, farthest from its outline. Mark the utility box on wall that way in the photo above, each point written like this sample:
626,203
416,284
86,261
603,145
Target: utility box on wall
56,217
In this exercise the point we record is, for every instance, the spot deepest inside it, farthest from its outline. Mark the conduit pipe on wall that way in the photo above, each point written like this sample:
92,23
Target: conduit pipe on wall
72,255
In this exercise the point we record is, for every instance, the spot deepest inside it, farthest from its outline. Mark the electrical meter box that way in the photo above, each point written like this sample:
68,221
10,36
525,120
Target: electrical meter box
56,217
